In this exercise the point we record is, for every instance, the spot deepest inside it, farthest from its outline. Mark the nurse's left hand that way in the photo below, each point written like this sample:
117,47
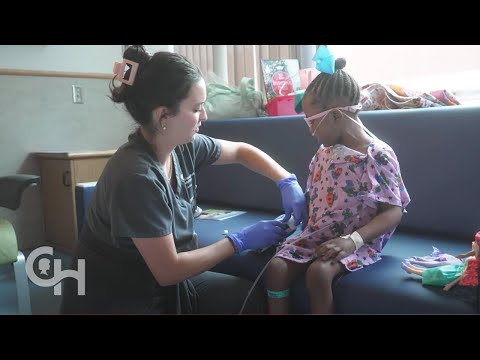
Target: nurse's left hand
293,200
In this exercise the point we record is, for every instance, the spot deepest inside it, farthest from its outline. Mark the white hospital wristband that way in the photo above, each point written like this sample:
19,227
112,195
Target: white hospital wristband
356,238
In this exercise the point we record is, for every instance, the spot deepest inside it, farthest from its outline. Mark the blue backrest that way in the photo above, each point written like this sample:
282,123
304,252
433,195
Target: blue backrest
286,139
438,150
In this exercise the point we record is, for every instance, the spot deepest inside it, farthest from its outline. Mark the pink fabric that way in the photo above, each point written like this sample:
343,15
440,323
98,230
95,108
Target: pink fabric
306,76
378,96
344,188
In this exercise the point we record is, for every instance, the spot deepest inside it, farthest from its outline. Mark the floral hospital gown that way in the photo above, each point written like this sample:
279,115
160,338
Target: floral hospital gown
344,188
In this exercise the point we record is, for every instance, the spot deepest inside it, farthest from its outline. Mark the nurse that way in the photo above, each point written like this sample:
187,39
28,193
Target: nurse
140,249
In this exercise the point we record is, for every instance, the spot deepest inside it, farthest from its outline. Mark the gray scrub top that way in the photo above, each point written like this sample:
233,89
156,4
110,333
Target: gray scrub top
133,198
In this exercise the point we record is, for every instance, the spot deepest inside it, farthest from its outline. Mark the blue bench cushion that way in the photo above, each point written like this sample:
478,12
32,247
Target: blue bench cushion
394,290
382,288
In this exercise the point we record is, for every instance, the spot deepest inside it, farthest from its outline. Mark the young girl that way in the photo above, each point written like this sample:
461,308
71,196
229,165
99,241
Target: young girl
356,197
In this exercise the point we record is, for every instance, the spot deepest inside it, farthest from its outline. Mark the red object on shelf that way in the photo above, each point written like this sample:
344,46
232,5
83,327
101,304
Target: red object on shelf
281,106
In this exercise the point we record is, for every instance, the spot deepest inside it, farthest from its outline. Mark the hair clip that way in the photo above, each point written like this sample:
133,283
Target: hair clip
119,70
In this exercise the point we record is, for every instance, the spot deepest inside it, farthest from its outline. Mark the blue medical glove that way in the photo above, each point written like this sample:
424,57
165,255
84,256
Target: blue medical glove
293,200
260,235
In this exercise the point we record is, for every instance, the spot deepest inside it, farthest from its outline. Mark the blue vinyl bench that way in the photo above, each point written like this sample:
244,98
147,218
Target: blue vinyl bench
437,149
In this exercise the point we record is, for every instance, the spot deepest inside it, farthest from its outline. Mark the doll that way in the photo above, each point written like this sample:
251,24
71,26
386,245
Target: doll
441,269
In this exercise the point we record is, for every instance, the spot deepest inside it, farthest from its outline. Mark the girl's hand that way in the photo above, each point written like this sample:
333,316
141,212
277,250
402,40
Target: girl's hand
335,249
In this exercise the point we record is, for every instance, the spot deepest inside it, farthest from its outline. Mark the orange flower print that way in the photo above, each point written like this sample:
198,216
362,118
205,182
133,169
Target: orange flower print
301,243
337,172
331,196
352,264
353,159
372,255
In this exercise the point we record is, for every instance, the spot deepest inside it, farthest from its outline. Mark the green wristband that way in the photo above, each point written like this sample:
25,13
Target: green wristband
278,294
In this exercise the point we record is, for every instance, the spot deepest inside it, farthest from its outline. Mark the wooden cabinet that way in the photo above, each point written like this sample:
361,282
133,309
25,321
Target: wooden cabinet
60,172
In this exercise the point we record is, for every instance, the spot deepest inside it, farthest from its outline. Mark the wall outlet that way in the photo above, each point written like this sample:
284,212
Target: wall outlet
77,94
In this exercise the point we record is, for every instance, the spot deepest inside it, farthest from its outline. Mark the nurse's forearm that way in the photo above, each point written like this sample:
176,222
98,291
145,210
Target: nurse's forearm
169,267
261,163
196,261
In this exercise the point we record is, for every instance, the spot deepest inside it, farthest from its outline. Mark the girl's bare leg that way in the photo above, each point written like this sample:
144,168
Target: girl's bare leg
319,278
280,274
